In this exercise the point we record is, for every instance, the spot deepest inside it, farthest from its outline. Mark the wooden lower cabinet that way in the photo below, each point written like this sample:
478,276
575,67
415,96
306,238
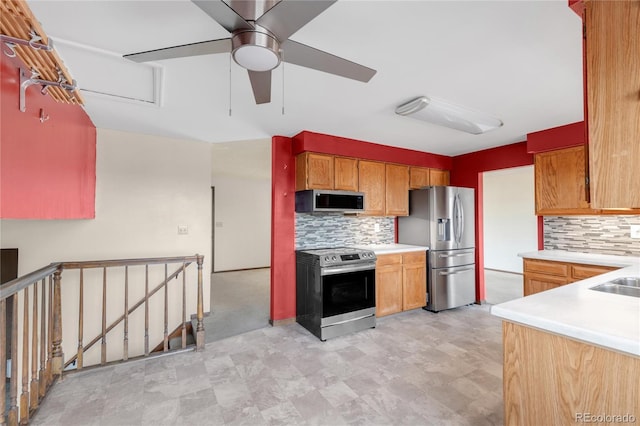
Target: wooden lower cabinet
553,380
542,275
400,282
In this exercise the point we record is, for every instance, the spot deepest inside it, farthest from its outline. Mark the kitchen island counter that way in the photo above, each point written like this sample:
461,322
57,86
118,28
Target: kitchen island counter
608,320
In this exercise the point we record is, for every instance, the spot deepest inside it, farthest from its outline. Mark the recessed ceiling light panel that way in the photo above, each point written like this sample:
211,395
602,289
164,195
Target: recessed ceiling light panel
446,114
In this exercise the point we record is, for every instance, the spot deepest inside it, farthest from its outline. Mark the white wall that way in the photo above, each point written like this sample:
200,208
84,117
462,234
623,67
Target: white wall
242,179
145,187
510,223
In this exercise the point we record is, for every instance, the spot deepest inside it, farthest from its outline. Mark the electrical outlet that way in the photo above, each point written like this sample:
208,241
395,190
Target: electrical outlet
183,229
635,231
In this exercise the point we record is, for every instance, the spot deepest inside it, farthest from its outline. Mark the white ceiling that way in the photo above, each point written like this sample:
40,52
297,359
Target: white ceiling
518,60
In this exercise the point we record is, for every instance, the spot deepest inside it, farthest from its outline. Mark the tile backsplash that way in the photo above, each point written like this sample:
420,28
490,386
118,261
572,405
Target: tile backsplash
336,230
592,234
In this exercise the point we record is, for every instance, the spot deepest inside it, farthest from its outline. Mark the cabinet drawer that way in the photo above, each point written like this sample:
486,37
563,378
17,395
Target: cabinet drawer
546,267
581,272
418,257
389,259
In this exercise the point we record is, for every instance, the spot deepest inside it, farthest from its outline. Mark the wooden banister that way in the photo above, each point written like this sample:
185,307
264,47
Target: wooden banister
37,357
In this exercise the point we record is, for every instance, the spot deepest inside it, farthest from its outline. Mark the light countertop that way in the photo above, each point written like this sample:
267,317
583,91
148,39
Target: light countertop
380,249
573,310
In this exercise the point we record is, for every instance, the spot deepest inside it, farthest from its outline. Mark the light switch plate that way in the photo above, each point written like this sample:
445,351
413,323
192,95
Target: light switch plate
183,229
635,231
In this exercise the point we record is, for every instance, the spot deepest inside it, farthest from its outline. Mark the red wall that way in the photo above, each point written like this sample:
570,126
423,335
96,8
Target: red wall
283,262
467,171
47,170
573,134
317,142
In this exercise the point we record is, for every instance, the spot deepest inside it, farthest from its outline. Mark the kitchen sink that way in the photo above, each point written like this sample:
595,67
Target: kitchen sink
628,286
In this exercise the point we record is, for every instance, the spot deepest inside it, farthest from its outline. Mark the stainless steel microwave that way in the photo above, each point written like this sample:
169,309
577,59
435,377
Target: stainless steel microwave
320,200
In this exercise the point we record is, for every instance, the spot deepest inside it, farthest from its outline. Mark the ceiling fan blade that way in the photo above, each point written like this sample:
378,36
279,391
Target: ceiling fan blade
223,15
287,17
305,56
222,45
261,85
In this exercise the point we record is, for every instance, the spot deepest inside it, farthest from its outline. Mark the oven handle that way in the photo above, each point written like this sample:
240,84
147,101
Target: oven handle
347,269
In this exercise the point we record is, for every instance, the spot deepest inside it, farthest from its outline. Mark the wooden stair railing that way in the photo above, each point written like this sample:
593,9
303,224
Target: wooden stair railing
36,332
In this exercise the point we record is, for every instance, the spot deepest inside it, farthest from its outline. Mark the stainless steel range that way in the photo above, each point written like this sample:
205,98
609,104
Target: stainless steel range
335,290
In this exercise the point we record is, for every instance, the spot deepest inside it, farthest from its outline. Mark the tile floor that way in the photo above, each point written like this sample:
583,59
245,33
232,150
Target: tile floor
414,368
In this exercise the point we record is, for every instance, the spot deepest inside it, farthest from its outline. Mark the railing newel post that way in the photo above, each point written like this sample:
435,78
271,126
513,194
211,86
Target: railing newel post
200,312
57,354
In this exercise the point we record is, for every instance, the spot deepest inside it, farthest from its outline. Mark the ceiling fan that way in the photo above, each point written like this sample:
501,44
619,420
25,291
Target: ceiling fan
260,31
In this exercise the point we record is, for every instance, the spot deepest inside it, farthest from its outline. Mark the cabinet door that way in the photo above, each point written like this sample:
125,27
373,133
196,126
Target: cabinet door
560,181
388,290
371,178
314,171
582,272
418,177
397,190
546,267
414,281
612,30
346,173
535,283
438,177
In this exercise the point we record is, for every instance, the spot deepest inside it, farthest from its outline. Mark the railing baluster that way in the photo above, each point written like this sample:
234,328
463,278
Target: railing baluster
58,356
184,305
200,314
50,334
33,390
13,382
24,396
80,357
3,360
166,310
103,352
42,375
146,310
125,355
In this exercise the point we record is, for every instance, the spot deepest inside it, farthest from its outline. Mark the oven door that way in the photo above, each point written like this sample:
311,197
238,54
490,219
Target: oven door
348,289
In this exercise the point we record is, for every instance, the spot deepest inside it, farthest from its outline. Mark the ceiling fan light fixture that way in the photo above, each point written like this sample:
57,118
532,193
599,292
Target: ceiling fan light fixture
443,113
255,51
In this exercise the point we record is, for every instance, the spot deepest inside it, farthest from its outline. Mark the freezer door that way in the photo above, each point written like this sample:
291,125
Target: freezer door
451,287
451,258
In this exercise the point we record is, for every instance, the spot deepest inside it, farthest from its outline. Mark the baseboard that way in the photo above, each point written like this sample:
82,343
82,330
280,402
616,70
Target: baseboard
243,269
285,321
500,270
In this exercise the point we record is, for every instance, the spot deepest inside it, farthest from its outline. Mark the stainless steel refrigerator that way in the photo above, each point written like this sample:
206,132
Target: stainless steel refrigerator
442,218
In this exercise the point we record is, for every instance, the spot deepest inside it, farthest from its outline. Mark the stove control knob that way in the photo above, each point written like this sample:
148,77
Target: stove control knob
327,259
334,258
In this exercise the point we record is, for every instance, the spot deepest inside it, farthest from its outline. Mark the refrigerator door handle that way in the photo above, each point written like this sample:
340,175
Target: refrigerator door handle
457,215
461,219
455,272
445,256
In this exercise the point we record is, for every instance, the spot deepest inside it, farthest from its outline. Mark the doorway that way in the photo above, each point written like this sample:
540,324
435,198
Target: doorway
241,238
510,227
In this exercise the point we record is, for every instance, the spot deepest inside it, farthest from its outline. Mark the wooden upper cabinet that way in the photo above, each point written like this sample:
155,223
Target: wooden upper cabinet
612,30
560,182
371,181
397,190
314,171
346,173
438,177
418,177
